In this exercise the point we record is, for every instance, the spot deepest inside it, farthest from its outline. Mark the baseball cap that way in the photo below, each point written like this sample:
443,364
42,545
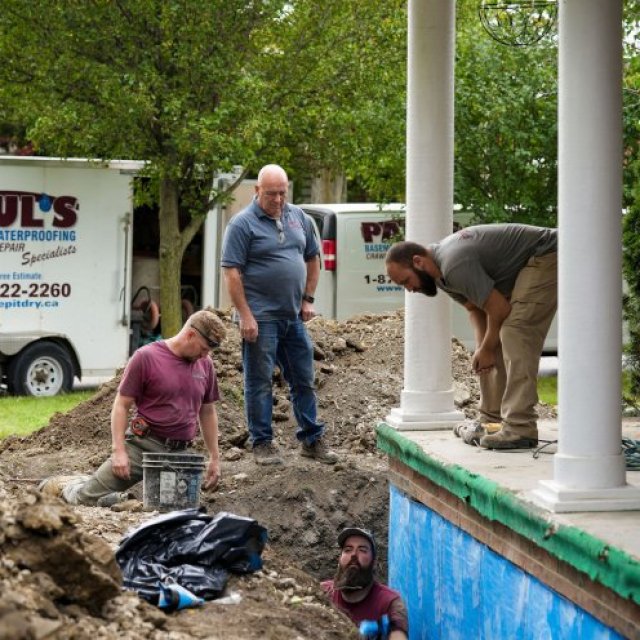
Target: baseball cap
356,531
209,326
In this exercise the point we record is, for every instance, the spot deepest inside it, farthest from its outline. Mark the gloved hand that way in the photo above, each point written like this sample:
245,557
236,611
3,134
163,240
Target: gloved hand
375,629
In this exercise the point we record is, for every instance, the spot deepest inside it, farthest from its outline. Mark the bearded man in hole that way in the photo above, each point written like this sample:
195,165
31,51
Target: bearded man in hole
354,589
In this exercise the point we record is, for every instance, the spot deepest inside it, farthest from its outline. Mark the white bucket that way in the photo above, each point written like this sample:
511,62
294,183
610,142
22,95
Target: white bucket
171,480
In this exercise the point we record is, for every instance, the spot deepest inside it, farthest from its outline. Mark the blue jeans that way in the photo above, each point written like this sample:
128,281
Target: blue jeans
285,343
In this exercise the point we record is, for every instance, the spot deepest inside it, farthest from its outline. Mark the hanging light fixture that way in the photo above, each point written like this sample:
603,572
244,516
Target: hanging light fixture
518,24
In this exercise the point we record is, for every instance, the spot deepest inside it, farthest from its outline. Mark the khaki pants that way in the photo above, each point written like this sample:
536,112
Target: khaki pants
87,491
509,393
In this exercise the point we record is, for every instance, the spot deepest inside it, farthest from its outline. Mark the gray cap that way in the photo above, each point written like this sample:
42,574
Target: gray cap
356,531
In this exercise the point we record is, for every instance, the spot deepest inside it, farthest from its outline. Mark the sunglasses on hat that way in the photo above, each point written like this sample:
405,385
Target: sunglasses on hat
211,343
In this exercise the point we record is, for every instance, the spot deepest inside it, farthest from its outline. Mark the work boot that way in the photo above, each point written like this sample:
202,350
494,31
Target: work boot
113,498
506,439
472,430
266,453
319,451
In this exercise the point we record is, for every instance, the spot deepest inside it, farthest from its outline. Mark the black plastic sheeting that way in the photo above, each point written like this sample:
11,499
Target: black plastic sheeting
190,548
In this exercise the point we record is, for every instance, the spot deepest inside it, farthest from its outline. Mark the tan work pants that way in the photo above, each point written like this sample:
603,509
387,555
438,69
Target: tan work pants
509,393
88,490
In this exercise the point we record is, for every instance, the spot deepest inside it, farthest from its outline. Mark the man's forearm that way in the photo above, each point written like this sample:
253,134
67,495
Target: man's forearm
119,421
492,334
209,427
497,310
235,287
478,320
313,275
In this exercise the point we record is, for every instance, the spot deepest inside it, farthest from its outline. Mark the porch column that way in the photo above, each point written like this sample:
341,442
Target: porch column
589,469
427,401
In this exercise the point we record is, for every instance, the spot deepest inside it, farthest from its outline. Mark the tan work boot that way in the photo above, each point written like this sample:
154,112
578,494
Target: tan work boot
506,439
319,451
266,453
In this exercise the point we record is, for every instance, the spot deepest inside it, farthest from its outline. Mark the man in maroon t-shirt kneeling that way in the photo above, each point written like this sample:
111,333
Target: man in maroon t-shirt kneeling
168,390
354,589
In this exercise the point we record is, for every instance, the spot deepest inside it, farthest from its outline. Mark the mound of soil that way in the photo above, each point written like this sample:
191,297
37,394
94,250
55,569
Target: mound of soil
57,573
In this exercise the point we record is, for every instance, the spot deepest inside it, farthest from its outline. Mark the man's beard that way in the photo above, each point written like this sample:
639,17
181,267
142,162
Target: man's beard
353,577
427,283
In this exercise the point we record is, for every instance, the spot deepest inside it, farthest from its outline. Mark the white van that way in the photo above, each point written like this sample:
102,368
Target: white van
354,240
353,279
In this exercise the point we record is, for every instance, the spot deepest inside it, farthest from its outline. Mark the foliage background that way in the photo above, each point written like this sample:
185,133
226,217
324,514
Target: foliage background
631,219
197,87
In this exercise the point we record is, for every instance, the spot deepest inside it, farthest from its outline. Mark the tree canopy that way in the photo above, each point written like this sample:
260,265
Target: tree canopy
631,222
191,87
195,88
506,126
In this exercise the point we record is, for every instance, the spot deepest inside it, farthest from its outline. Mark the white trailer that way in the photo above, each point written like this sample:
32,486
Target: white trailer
65,270
79,273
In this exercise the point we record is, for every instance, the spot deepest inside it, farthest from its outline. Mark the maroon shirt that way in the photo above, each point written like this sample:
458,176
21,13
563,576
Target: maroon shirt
168,390
380,600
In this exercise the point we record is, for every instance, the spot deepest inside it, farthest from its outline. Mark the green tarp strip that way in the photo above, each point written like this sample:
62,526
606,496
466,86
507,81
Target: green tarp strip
607,565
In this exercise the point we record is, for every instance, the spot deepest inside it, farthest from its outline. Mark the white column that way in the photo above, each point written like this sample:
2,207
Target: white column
427,401
589,469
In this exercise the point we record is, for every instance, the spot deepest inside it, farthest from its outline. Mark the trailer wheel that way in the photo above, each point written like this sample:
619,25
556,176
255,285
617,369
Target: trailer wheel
41,369
150,315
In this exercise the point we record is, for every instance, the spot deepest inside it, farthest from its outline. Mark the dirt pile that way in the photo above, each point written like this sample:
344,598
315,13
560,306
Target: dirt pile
55,580
359,365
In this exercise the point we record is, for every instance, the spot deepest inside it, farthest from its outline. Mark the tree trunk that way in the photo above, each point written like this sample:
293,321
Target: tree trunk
170,258
328,187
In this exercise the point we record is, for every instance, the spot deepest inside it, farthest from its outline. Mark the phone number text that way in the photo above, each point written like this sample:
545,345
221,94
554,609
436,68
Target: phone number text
377,279
35,290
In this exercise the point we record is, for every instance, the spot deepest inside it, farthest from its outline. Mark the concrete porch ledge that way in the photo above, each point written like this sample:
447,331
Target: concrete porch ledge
486,493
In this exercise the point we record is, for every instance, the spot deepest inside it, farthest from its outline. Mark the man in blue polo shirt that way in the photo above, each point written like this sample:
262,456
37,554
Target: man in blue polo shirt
270,258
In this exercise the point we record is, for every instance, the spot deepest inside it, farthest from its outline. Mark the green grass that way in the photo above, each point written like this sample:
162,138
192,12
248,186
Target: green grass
548,390
21,415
